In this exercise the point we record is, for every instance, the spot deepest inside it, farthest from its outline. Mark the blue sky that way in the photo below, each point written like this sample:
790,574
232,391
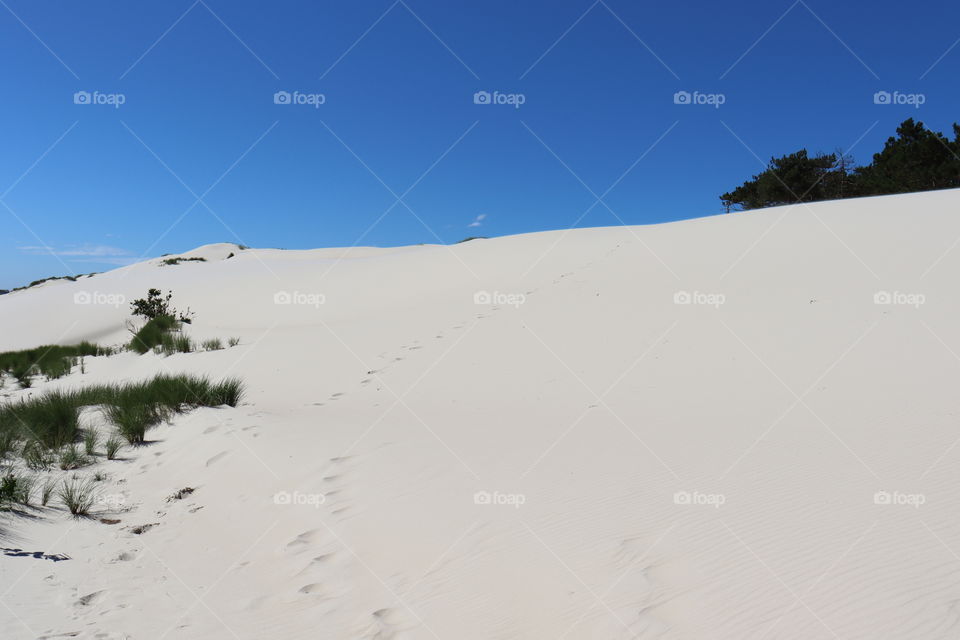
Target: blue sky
399,152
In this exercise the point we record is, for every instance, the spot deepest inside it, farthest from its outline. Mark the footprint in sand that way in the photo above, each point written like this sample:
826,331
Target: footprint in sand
314,588
124,556
316,563
216,458
389,624
305,539
89,599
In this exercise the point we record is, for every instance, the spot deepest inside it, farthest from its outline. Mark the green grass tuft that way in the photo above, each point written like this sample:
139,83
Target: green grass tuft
176,343
72,458
15,489
77,496
51,419
132,418
91,438
213,344
113,445
35,456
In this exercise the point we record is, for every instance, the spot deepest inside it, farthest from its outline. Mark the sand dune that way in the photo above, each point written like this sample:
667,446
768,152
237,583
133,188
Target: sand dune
734,427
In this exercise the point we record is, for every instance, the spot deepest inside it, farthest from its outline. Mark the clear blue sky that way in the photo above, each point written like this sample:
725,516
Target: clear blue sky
99,186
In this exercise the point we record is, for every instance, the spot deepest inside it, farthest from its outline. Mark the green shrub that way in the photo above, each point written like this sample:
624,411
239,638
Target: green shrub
234,341
156,305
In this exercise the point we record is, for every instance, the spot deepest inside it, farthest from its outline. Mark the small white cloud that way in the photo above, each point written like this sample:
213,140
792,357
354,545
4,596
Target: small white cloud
478,220
84,251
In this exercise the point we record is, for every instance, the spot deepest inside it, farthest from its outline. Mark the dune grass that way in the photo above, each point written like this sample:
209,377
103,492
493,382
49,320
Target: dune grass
47,424
91,438
152,333
52,361
77,496
50,419
169,262
35,456
72,458
132,418
214,344
15,489
176,343
113,446
46,491
8,444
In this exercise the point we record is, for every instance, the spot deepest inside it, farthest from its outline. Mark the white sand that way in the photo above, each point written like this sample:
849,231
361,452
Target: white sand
592,403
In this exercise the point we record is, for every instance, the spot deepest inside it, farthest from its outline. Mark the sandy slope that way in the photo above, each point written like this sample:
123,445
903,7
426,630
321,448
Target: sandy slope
587,412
